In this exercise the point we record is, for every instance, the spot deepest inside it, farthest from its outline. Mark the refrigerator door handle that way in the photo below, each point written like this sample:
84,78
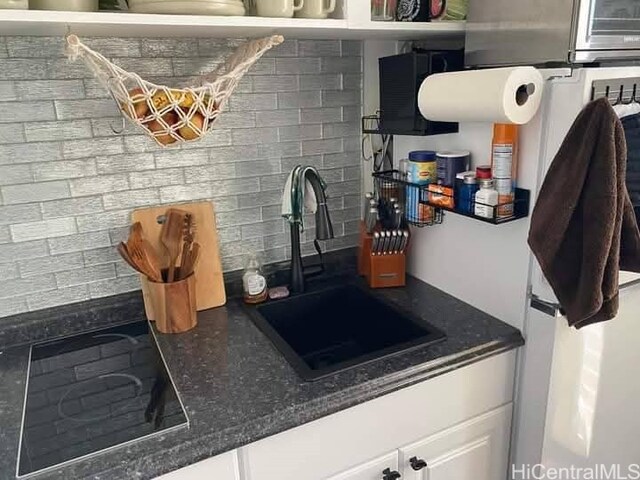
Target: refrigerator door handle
550,308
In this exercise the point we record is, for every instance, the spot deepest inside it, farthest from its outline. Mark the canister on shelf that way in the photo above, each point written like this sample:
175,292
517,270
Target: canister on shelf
449,164
504,187
467,193
486,199
422,167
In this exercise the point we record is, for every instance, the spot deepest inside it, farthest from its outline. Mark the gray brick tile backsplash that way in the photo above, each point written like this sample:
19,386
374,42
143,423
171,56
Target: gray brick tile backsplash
321,115
15,174
74,109
102,184
86,275
26,111
19,213
253,101
275,83
341,65
341,98
19,69
297,65
29,152
9,133
59,227
165,47
60,296
50,89
5,234
93,147
68,182
299,100
116,47
131,199
52,264
17,287
332,81
60,130
11,252
300,132
37,192
251,136
124,163
61,170
156,178
79,243
278,118
8,91
72,207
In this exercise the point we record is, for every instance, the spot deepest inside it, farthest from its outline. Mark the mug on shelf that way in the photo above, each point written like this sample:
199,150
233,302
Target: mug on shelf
316,9
278,8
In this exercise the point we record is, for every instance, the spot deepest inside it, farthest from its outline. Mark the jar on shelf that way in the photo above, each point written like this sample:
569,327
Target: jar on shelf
467,194
486,199
383,10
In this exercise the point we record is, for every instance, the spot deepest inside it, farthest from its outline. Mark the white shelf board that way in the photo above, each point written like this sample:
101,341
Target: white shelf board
122,24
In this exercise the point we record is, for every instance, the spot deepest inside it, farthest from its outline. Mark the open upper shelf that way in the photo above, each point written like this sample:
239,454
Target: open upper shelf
123,24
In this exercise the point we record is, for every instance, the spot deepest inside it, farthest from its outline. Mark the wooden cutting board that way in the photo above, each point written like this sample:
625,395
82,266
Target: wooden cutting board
210,290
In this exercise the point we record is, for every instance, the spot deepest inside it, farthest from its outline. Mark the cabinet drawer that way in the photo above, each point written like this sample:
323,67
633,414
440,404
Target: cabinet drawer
370,470
222,467
333,444
474,450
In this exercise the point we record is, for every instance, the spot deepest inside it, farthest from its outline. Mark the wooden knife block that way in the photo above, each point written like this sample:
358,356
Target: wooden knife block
381,271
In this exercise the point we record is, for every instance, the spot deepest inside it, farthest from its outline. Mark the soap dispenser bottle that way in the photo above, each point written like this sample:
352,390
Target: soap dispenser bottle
254,283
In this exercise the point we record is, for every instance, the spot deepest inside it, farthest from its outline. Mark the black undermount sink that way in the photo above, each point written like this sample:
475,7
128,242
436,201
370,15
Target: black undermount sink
331,330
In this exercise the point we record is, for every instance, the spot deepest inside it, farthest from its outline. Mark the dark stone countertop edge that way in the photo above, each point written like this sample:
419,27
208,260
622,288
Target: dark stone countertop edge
299,415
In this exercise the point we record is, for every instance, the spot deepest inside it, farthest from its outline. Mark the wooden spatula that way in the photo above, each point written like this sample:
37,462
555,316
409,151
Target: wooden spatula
171,238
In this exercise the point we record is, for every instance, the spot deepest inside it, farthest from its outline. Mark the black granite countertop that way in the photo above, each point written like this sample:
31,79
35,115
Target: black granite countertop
236,388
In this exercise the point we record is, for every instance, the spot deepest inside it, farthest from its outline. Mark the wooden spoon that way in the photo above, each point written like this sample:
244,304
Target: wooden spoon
124,253
145,251
171,238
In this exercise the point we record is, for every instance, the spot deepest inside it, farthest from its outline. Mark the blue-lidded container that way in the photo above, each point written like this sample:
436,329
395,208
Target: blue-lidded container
423,167
467,194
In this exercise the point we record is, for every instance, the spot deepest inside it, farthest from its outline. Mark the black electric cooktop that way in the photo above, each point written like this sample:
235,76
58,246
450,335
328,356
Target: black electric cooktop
93,392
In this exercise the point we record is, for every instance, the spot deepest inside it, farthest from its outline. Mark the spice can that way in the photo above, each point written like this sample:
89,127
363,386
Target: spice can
423,168
504,186
449,164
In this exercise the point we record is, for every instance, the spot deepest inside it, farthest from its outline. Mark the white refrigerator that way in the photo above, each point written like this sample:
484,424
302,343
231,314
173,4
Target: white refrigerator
578,392
578,402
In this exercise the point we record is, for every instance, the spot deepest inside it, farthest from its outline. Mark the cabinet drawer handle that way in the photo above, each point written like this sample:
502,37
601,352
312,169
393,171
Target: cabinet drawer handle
388,474
417,464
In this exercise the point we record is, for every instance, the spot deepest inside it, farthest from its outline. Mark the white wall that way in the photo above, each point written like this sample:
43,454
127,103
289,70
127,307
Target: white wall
484,265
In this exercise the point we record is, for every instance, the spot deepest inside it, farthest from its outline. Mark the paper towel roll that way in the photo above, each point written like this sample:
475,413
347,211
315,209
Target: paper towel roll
498,95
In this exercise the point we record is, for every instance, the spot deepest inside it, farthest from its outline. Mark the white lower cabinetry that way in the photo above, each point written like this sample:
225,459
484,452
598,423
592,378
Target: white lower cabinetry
478,449
452,427
371,470
222,467
444,420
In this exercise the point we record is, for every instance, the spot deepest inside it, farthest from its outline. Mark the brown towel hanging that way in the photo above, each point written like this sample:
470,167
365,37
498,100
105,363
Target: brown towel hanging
583,227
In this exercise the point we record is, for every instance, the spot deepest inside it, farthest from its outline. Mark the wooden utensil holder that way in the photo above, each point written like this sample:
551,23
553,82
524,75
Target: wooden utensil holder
381,271
174,305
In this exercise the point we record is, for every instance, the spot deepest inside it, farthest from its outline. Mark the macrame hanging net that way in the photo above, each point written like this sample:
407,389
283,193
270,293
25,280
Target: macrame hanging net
173,115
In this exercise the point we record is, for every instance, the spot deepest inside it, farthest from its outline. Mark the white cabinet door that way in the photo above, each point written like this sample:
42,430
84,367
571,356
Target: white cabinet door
222,467
372,470
477,449
336,443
